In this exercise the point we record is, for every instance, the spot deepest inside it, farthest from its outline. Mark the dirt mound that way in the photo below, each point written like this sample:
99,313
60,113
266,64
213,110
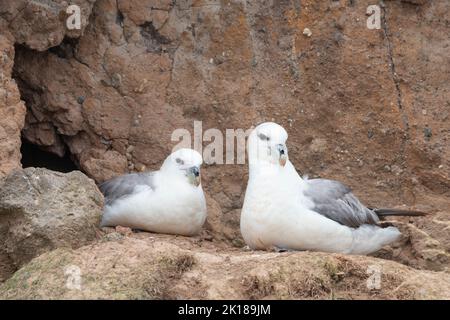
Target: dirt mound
146,266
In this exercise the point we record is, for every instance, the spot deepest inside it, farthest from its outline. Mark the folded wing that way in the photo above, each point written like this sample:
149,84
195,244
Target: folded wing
123,186
335,201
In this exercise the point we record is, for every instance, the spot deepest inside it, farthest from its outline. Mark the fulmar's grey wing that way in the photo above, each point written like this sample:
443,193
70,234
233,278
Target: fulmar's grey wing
336,201
125,185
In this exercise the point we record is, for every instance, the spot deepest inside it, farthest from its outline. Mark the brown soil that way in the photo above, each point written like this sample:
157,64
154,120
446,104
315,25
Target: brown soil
150,266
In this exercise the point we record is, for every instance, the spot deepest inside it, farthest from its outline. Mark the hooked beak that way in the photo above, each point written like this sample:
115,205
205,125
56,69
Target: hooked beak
193,174
282,150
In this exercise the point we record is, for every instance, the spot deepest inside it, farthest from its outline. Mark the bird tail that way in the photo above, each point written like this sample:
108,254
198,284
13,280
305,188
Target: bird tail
399,212
370,238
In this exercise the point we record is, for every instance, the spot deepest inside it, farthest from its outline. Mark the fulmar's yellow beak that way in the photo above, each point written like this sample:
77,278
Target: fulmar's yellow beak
193,175
282,149
283,160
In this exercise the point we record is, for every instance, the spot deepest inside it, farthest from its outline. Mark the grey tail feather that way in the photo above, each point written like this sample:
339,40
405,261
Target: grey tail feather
398,212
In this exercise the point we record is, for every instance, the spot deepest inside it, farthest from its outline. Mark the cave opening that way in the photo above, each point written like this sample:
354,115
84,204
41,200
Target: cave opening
35,156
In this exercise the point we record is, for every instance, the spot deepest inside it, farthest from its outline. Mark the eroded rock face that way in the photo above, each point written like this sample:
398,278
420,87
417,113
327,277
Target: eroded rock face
424,243
12,109
166,268
41,24
367,107
348,96
41,210
38,25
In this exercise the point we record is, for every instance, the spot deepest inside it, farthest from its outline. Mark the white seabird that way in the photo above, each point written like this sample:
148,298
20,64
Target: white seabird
169,200
283,211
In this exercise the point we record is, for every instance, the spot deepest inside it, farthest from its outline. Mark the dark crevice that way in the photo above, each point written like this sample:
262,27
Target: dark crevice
25,53
393,69
56,157
119,18
66,49
154,41
36,157
396,80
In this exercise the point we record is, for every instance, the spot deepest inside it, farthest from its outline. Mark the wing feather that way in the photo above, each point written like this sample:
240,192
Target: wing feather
335,201
126,185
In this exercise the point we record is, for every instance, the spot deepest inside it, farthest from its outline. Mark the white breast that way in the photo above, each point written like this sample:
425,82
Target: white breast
276,214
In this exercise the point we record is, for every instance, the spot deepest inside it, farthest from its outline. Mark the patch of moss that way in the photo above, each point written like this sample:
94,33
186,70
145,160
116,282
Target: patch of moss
257,287
177,265
24,283
334,271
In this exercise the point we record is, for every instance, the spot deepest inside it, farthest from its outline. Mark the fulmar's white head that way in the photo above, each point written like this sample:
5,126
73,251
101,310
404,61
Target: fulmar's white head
184,163
267,145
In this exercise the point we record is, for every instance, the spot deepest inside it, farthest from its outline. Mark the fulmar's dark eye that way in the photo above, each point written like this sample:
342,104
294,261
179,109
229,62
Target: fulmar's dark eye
263,137
179,161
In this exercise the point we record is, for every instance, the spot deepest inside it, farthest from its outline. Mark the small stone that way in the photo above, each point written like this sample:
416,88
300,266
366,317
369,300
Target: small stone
140,167
116,80
238,243
141,87
124,230
112,236
105,141
307,32
380,184
396,170
427,133
208,237
290,121
81,99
